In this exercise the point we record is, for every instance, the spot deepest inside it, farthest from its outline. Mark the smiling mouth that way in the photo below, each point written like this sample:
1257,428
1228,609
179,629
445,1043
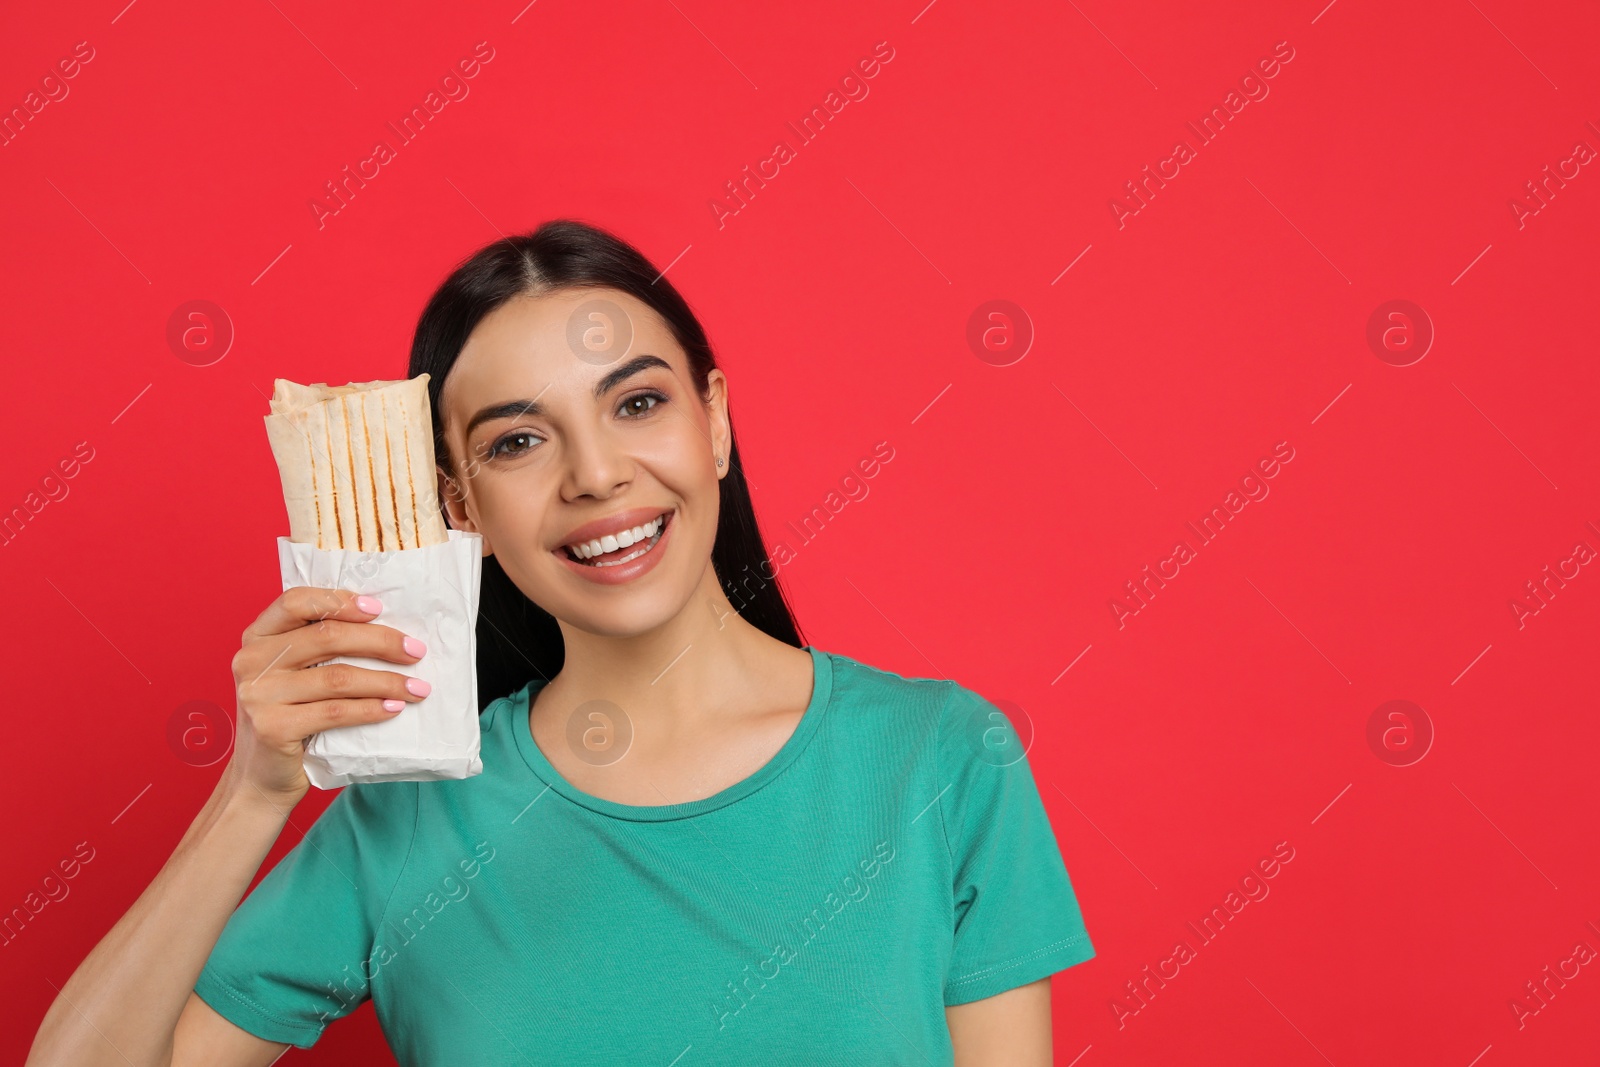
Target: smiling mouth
619,553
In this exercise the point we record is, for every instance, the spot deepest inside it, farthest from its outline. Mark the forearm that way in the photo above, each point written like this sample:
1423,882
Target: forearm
122,1004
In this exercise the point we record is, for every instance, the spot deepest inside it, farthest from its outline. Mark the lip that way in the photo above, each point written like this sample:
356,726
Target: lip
625,572
622,520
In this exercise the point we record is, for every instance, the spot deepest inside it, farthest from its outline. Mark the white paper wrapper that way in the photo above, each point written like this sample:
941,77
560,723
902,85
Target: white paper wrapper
430,593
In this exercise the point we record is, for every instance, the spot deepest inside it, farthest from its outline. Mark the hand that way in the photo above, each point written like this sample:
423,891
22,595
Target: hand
283,700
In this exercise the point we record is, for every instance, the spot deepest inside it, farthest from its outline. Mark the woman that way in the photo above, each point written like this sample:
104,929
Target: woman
695,839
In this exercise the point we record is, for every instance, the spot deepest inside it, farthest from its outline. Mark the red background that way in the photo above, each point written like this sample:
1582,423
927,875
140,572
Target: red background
1228,315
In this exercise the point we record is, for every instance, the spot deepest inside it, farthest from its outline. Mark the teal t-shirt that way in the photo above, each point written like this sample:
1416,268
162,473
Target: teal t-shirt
894,857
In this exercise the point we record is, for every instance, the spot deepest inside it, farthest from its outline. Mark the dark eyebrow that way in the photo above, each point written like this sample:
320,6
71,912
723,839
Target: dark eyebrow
511,409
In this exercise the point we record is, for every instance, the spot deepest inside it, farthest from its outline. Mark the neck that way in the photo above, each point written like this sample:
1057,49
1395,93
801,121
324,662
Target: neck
701,663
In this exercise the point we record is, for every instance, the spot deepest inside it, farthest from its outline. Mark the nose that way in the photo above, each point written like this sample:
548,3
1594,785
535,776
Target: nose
596,464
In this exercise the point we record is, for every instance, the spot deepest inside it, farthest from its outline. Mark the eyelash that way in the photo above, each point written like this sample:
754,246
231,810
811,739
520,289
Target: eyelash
496,449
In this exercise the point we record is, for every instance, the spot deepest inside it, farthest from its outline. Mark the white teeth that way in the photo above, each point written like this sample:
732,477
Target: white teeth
624,559
621,539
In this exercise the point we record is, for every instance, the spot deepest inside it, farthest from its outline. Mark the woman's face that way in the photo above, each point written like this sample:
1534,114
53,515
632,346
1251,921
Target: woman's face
572,415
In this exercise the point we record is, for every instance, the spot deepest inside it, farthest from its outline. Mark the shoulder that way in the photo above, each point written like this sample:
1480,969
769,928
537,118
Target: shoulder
397,802
939,710
974,731
377,814
501,709
497,731
862,690
350,856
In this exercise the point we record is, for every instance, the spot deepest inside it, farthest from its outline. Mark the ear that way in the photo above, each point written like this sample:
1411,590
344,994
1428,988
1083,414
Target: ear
717,415
453,495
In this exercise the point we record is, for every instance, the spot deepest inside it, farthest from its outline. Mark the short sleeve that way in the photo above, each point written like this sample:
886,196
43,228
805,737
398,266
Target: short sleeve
296,953
1016,916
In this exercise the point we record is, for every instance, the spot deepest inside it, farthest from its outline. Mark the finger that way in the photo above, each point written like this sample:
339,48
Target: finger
313,718
318,642
345,681
304,603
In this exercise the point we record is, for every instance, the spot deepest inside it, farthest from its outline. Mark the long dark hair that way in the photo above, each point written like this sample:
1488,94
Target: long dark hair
519,641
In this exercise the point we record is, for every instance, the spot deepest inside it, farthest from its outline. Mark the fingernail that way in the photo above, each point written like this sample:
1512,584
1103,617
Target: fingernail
394,705
417,687
371,605
414,647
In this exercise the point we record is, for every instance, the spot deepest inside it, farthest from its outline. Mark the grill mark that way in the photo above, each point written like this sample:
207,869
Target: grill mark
350,459
372,478
327,435
311,462
411,482
388,472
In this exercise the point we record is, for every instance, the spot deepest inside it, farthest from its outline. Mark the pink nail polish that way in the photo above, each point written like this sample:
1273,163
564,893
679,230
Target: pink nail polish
394,705
417,687
414,647
371,605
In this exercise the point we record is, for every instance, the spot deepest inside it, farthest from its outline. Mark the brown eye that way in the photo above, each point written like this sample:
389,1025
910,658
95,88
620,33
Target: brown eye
631,411
503,446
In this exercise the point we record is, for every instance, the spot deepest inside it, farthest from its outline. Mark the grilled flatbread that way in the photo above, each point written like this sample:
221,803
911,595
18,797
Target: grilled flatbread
357,464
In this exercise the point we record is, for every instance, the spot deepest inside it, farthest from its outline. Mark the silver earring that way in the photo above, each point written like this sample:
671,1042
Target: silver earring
719,461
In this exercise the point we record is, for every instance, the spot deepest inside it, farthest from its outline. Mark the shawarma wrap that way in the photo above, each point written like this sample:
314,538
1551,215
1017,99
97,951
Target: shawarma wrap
357,464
